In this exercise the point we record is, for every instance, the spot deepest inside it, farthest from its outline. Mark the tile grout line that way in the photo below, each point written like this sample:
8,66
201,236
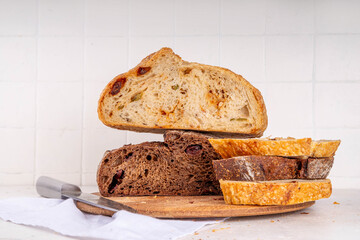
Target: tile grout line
83,94
35,164
219,33
314,132
174,23
128,53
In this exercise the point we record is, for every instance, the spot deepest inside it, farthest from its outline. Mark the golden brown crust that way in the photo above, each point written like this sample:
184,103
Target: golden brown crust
324,148
259,127
228,148
289,147
283,192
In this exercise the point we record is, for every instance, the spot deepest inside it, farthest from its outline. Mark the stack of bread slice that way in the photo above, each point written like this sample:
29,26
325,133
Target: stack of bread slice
195,106
274,171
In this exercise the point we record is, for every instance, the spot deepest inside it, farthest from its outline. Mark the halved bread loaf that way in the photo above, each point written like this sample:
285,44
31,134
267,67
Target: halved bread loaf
281,192
267,168
287,147
179,166
165,92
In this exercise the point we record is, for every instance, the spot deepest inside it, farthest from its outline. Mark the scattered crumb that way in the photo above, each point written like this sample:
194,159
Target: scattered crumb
333,221
191,202
196,233
215,230
155,196
278,220
336,203
272,221
304,213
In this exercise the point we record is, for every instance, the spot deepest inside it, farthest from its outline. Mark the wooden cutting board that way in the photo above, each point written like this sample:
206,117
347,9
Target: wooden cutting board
191,207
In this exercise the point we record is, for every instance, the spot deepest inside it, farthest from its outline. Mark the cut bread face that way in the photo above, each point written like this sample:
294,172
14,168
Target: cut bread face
267,168
281,192
165,92
287,147
181,165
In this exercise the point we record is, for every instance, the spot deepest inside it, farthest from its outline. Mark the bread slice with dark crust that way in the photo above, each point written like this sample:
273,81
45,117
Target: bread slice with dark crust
179,166
268,168
165,92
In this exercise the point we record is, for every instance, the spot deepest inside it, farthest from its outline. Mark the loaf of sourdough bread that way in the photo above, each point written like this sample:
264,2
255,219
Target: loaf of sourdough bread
267,168
281,192
165,92
179,166
287,147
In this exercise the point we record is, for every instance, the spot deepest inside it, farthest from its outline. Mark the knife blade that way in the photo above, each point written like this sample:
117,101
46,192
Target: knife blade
53,188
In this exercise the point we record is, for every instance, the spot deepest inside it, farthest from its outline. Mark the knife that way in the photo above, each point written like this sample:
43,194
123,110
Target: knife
53,188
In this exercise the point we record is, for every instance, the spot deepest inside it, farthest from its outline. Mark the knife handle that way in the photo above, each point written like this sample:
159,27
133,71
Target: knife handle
52,188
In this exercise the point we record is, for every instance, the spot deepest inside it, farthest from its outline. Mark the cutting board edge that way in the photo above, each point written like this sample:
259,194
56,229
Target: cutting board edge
227,211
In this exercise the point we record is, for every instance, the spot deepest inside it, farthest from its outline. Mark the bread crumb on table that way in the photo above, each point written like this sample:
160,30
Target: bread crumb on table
336,203
215,230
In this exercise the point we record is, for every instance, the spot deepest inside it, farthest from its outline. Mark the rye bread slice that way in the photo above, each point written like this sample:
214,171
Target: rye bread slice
267,168
179,166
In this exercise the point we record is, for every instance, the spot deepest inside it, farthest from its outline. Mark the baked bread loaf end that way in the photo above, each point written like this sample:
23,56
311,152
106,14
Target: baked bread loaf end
164,92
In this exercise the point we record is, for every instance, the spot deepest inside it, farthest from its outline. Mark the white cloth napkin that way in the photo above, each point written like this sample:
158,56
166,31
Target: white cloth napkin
64,217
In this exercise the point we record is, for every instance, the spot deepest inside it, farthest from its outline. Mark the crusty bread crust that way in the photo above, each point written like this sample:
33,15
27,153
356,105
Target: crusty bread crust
287,147
109,109
324,148
281,192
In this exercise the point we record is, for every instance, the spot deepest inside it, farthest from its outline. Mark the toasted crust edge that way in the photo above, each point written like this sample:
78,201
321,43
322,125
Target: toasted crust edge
304,147
257,131
275,192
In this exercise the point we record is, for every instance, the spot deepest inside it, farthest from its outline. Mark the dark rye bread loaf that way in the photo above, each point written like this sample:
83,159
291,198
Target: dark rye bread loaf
182,165
267,168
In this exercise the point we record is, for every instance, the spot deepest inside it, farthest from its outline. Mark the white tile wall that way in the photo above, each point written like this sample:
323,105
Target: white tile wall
18,53
60,59
57,56
337,58
290,17
243,17
64,17
106,17
17,105
151,18
289,108
337,105
199,17
18,17
196,49
289,58
250,56
59,105
105,57
333,16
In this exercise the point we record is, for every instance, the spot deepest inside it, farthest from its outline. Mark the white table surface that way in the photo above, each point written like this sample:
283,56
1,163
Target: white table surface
324,220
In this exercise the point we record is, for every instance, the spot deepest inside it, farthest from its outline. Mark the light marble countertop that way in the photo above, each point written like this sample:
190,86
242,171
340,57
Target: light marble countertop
324,220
